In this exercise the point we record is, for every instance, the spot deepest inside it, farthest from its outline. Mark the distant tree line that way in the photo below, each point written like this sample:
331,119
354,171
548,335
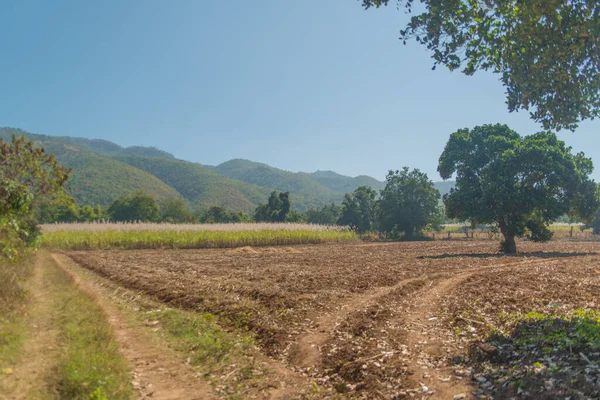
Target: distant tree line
407,205
518,185
140,206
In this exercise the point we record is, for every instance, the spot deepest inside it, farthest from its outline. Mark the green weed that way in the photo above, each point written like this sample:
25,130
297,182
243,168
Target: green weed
552,332
199,336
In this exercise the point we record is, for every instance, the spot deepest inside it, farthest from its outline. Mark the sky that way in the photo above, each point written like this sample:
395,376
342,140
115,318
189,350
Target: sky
300,85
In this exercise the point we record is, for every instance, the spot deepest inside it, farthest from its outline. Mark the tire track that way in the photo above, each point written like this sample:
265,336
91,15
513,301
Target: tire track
305,352
426,347
156,372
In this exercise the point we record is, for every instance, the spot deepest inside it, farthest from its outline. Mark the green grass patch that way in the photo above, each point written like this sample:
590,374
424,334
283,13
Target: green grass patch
91,366
12,331
226,359
200,337
13,303
124,240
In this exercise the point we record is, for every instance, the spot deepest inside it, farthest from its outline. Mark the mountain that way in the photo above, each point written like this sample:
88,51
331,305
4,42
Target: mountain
445,186
103,170
96,179
199,184
100,146
344,184
308,192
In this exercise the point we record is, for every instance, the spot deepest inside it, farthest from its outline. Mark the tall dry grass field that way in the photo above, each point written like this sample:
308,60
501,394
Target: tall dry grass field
104,236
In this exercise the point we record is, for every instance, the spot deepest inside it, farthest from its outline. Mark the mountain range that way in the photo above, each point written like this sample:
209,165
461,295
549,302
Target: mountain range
102,171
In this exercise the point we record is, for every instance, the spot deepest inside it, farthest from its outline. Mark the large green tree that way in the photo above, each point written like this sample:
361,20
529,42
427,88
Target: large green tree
136,206
174,210
29,179
409,202
546,51
518,183
358,209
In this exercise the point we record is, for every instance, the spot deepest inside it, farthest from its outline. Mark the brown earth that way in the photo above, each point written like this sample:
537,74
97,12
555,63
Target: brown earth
388,320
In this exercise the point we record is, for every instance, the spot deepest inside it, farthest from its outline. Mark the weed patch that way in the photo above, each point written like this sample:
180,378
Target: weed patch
224,358
547,353
199,336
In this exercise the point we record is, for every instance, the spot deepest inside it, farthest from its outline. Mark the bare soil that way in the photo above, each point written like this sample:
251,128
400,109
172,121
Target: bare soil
385,320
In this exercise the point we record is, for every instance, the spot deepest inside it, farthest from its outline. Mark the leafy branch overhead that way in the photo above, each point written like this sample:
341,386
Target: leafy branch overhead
546,51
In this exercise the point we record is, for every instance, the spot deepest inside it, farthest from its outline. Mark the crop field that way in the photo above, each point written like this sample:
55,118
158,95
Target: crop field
106,236
388,320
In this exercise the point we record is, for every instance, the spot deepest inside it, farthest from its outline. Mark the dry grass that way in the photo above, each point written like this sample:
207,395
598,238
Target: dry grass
106,236
166,227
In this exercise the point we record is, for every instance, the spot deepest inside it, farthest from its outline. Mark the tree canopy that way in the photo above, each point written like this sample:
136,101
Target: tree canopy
29,179
518,183
219,215
327,215
136,206
409,203
358,209
174,210
546,51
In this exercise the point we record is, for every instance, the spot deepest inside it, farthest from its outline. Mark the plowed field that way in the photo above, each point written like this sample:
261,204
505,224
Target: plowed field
443,319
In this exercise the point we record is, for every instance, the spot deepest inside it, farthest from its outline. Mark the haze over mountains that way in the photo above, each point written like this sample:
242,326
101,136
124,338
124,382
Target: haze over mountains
103,171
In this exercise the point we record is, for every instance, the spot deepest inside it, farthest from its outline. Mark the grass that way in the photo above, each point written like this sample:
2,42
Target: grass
13,302
199,336
91,366
172,236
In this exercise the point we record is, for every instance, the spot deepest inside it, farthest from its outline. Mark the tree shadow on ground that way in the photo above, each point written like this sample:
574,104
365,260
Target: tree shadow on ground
540,254
545,357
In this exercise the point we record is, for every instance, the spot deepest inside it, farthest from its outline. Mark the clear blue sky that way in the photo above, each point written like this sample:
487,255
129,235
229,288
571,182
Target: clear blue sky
301,85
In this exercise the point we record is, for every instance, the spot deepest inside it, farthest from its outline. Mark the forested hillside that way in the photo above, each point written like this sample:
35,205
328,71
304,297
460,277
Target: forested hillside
104,171
199,184
95,178
344,184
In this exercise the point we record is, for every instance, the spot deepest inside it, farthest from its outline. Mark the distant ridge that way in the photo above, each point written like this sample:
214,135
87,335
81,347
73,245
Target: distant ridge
103,171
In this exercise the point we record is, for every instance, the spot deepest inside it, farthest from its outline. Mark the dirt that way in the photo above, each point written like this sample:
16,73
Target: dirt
259,250
157,373
389,320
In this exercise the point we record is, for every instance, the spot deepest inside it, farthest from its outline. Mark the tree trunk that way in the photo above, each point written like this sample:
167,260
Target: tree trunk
509,245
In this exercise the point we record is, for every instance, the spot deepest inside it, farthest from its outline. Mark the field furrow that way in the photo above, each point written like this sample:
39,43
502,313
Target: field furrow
381,320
